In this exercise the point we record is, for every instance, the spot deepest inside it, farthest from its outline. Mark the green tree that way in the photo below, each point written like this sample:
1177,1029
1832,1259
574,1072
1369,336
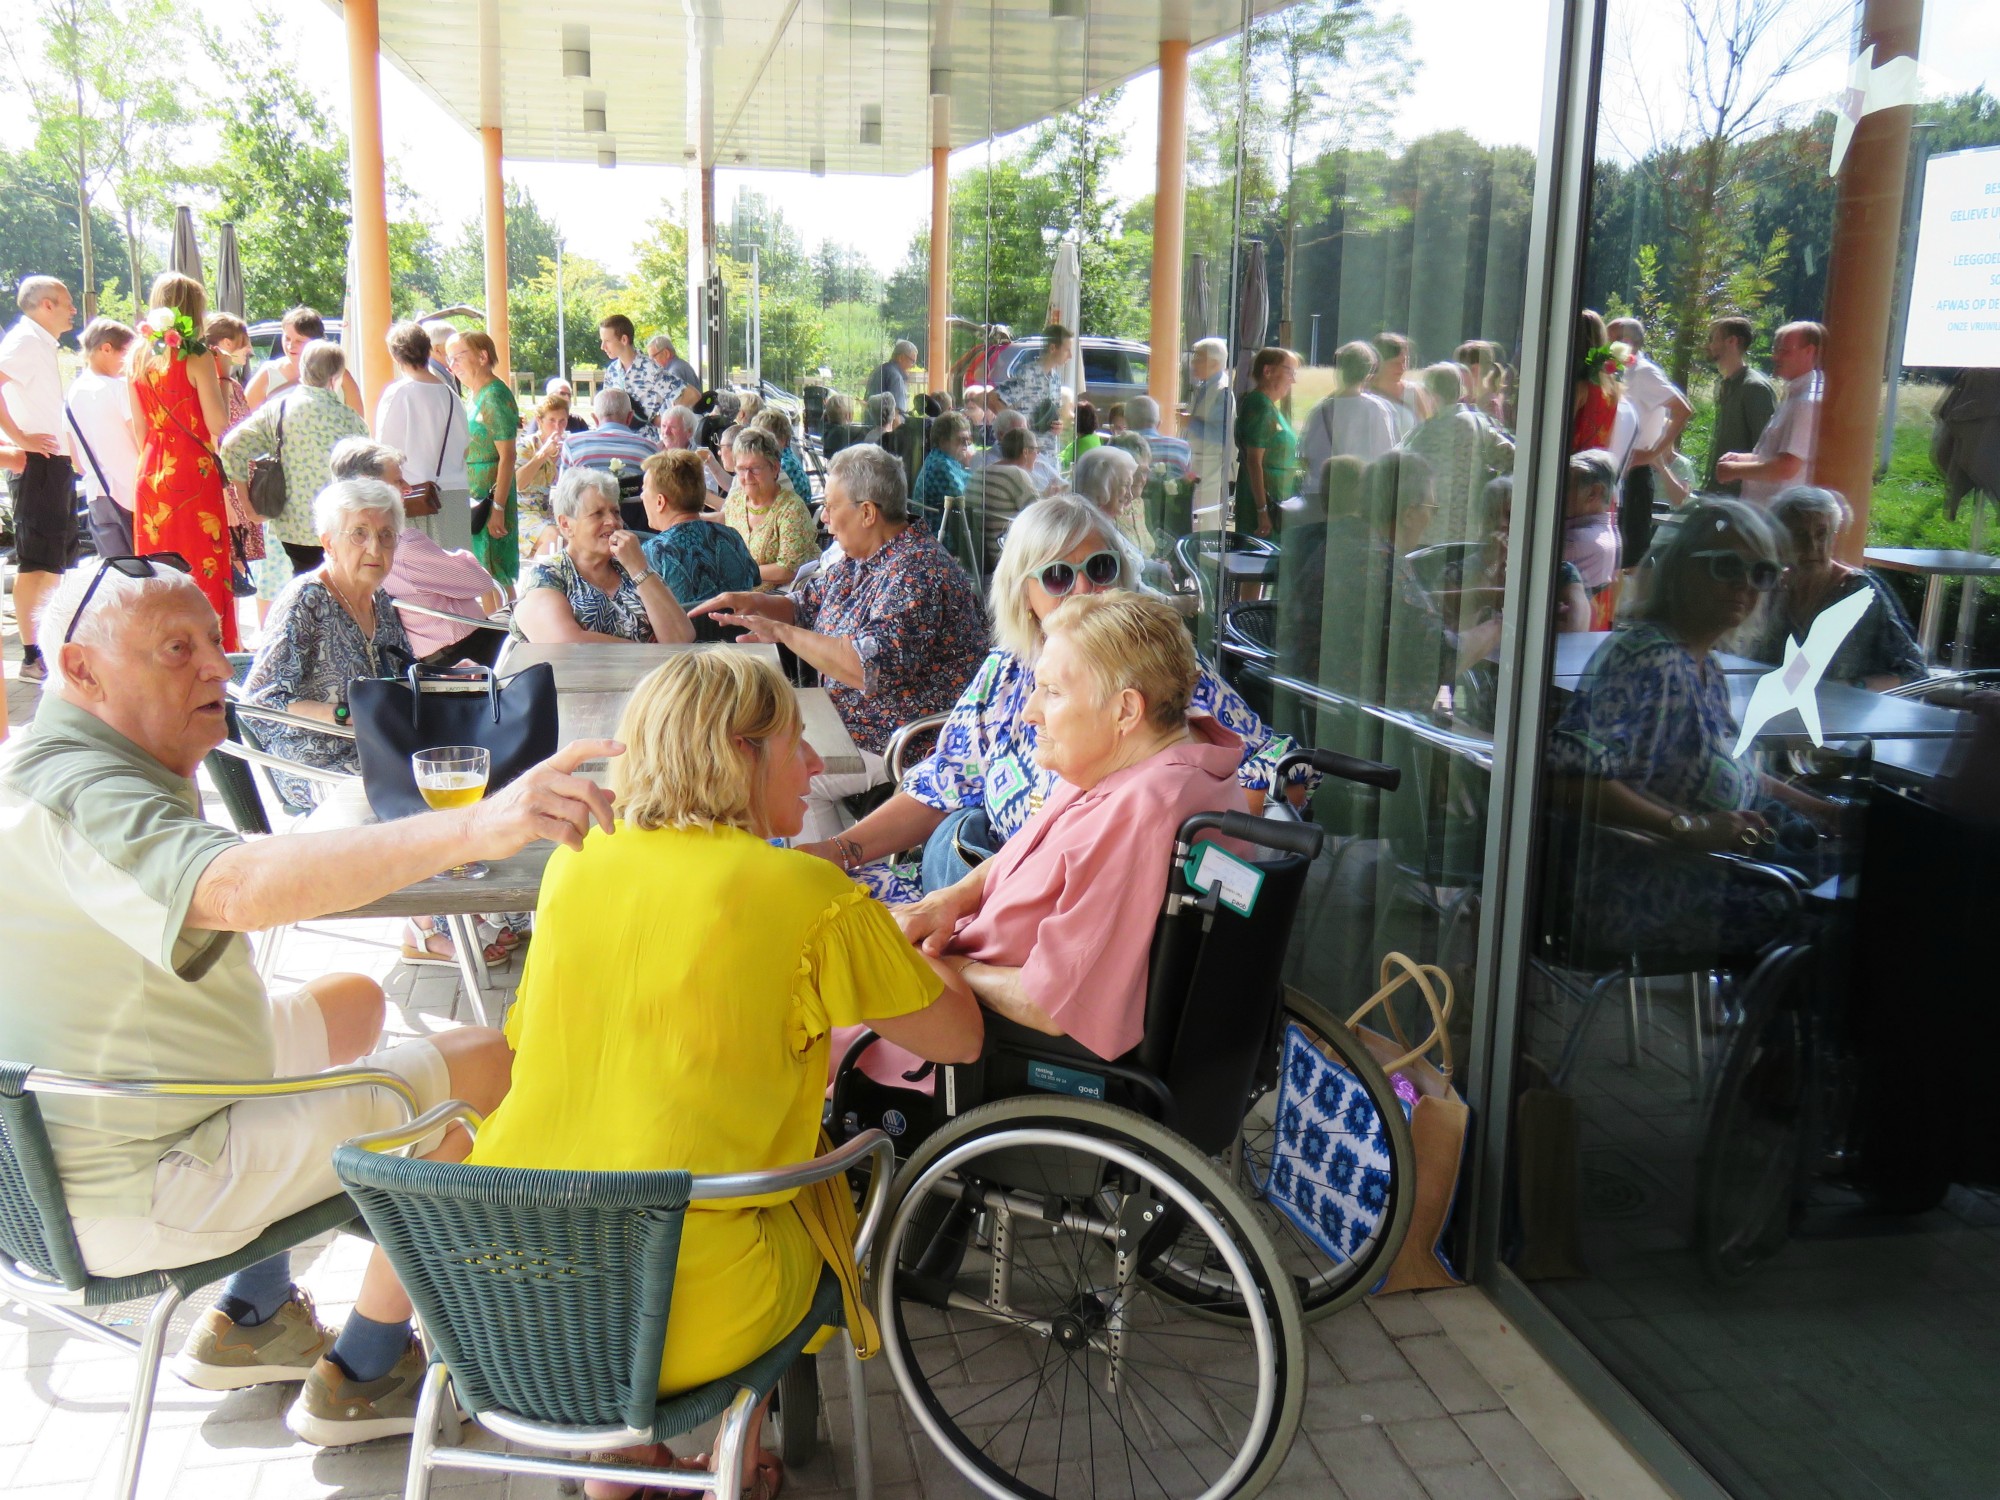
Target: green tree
655,299
38,227
843,275
104,97
589,294
532,237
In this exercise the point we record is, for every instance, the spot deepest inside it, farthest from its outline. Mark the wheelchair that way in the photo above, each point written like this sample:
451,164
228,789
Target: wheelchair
1089,1282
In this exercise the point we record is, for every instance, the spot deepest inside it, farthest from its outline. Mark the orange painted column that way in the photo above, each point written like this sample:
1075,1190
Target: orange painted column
368,349
1163,377
496,250
938,359
1861,277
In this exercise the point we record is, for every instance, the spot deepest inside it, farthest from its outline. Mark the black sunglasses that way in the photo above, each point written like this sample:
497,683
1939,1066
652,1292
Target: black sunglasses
131,567
1727,566
1101,568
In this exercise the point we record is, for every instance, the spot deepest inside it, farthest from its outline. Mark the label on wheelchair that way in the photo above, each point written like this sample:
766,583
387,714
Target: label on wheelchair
1057,1080
1235,882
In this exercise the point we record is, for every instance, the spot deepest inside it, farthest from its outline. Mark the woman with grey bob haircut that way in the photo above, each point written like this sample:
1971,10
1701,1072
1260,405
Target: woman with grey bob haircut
567,498
873,476
980,785
1879,650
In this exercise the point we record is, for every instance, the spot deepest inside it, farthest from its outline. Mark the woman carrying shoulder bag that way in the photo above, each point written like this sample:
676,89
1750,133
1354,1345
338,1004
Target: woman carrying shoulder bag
420,418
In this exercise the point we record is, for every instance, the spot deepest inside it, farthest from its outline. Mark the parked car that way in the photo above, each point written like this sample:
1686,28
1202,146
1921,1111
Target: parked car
1113,369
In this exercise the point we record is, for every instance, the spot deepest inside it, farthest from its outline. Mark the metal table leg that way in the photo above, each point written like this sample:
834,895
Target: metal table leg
1933,616
471,962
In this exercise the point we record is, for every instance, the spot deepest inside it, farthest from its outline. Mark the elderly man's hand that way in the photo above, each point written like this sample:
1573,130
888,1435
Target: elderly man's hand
550,802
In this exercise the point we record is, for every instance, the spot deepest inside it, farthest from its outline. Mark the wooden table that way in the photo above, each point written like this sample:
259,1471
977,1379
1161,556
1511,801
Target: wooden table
1934,566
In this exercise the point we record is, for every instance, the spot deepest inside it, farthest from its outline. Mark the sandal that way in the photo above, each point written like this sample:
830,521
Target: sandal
423,953
501,936
767,1473
647,1456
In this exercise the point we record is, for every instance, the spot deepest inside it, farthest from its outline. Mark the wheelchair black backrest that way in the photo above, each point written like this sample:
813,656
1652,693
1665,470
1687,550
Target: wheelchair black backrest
1216,982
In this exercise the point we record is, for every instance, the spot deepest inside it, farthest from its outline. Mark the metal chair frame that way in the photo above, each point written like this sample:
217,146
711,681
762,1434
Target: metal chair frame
435,1419
61,1287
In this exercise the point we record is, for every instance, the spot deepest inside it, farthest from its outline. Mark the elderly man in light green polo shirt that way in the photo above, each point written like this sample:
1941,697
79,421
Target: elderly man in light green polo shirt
122,930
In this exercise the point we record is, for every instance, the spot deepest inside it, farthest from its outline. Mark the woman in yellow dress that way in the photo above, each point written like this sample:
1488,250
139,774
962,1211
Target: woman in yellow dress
677,1003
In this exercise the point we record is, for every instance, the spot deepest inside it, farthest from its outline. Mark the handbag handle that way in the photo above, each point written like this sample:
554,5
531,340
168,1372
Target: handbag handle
416,672
1421,975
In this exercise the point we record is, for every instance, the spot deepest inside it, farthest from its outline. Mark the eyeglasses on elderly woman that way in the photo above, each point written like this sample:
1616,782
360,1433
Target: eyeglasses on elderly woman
1732,568
1101,568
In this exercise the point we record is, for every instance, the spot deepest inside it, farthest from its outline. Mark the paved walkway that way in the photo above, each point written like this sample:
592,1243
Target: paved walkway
1428,1397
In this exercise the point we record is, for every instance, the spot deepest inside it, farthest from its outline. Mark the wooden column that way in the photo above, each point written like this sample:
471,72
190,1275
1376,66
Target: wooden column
368,346
496,250
1861,278
1163,378
938,359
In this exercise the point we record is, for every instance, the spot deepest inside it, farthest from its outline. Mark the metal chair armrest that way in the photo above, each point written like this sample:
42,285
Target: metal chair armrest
397,1137
478,622
249,710
49,1081
289,767
834,1164
899,742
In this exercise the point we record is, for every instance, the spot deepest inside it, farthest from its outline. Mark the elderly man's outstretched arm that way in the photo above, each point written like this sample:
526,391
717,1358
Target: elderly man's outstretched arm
277,881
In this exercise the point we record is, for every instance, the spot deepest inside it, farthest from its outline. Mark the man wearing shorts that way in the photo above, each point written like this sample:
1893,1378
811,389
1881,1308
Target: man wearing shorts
31,416
125,956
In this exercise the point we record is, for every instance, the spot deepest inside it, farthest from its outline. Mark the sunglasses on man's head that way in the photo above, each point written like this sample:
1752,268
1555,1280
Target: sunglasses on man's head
1101,568
131,567
1727,566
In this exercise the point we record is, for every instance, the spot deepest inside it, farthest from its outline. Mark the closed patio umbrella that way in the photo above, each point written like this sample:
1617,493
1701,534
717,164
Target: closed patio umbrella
1253,311
186,257
1066,305
1198,304
229,274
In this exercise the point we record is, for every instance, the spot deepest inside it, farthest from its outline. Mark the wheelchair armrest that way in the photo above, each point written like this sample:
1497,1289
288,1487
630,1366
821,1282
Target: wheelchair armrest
1283,834
1348,767
398,1137
899,742
49,1081
272,762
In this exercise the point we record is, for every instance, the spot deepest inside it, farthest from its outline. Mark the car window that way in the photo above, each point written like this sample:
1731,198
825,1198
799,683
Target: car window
1103,366
1136,366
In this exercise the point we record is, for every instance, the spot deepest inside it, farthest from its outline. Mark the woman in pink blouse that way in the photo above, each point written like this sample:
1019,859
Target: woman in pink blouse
1053,932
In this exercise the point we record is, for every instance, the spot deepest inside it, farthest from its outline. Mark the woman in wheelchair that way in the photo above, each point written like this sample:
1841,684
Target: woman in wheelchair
983,779
1053,932
660,1025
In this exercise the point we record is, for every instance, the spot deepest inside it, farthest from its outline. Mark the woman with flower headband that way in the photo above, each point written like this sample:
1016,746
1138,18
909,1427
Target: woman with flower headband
180,409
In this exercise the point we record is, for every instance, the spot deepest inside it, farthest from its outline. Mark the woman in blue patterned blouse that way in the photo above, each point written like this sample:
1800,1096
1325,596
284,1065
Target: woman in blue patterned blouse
943,475
982,783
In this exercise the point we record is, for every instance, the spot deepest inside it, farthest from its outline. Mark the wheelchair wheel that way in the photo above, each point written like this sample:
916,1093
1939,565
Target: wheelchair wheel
795,1412
1373,1127
1750,1170
1019,1297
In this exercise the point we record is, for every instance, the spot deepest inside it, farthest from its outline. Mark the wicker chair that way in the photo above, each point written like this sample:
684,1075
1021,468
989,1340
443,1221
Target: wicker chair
544,1298
41,1265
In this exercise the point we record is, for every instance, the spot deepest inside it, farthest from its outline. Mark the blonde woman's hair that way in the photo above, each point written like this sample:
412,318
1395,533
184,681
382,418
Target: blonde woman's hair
1047,531
686,728
181,293
1126,640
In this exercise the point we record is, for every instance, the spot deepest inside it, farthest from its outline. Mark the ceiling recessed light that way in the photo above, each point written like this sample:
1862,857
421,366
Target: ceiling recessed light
594,122
816,163
576,52
871,124
1066,10
607,156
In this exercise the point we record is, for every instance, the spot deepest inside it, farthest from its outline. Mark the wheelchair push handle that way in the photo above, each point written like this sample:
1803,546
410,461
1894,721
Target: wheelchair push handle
1281,834
1347,767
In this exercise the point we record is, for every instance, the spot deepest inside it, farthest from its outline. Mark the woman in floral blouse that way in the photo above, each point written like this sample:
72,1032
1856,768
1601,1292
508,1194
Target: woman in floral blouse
983,771
766,513
600,587
301,425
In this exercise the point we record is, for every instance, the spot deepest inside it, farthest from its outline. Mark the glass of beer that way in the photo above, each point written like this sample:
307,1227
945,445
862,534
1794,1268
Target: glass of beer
454,776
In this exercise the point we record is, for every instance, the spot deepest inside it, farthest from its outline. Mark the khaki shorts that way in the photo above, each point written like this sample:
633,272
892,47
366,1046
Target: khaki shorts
277,1160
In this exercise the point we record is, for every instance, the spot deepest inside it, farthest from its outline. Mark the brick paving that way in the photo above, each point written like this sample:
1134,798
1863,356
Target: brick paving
1395,1407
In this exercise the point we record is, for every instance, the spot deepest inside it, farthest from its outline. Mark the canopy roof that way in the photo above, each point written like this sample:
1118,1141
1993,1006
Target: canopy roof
777,84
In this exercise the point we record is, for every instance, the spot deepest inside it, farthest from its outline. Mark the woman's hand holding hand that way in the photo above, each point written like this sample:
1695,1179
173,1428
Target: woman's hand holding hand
930,923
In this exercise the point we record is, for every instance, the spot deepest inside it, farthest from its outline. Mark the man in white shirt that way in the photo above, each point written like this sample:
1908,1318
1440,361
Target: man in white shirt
1784,452
1353,421
1659,411
31,416
100,423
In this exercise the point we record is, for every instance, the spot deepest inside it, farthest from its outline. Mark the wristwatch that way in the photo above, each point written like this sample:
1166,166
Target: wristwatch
341,714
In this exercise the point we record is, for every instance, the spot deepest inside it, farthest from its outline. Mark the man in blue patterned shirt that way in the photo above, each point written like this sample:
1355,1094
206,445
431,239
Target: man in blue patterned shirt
650,387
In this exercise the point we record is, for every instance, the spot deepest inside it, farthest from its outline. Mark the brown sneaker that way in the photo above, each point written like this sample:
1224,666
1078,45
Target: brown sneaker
333,1411
223,1355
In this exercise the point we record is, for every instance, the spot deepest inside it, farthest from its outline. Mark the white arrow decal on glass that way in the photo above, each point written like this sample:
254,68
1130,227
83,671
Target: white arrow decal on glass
1796,683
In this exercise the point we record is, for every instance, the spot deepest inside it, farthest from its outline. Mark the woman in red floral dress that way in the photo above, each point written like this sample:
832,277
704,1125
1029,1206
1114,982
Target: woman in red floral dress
179,408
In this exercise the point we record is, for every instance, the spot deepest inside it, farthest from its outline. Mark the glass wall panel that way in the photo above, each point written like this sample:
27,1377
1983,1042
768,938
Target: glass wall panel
1752,1151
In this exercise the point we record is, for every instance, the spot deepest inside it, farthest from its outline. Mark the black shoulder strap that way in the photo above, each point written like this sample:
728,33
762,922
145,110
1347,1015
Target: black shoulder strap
95,467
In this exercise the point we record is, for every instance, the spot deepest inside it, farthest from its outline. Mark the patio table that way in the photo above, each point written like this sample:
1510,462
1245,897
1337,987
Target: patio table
1934,566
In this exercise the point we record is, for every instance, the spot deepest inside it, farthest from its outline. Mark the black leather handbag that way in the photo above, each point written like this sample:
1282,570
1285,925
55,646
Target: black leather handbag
394,718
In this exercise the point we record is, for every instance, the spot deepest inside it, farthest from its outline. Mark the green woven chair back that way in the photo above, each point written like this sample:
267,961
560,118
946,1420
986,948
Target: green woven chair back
545,1293
34,1217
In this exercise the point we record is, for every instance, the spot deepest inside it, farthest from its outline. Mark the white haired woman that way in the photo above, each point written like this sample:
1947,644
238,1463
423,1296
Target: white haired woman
329,627
302,425
983,780
1112,480
765,511
600,587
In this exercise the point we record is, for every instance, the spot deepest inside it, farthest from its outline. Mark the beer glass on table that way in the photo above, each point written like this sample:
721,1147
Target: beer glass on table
454,776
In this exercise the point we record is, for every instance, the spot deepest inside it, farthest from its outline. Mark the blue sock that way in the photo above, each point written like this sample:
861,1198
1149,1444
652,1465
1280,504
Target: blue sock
256,1292
368,1350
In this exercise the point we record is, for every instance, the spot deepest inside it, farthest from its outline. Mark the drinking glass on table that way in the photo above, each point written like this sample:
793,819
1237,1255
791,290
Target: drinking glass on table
454,776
